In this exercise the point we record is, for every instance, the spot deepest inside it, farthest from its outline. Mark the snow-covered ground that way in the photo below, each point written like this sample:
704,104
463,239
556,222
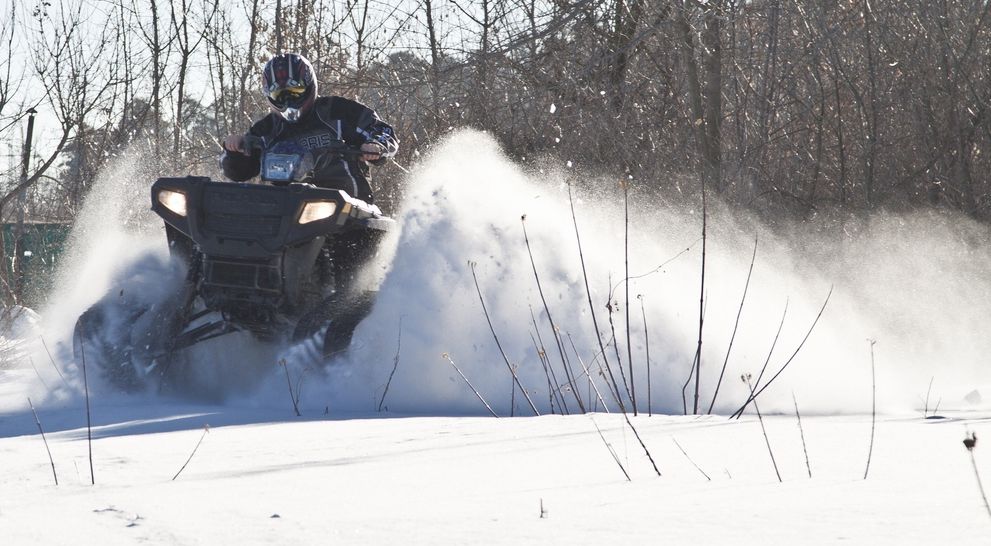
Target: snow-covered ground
261,477
908,294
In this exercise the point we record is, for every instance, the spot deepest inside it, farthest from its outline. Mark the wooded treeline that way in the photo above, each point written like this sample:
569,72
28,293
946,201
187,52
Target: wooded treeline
783,106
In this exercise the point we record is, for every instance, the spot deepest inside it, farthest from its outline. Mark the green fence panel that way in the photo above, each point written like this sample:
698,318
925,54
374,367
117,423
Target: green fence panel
43,245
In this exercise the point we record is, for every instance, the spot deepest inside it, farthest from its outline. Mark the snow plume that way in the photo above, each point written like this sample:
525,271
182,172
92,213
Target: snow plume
114,234
116,242
916,284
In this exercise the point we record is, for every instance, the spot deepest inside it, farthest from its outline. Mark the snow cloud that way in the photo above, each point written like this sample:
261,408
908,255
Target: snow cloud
916,284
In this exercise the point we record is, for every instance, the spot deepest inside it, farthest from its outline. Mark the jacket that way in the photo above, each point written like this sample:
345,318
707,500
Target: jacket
331,119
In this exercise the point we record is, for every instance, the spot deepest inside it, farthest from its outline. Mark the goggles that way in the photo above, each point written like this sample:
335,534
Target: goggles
292,95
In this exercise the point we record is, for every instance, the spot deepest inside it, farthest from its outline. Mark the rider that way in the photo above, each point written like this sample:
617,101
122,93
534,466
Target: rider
302,121
306,122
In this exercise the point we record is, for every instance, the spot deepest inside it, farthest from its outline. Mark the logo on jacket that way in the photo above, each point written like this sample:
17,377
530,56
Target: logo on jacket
313,142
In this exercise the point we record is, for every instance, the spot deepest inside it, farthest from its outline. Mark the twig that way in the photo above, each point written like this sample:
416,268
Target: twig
591,307
45,440
767,440
801,431
870,449
35,368
698,353
697,467
588,374
551,391
767,361
548,368
754,395
557,336
512,397
295,405
615,344
470,386
970,442
609,447
646,340
736,325
626,416
57,370
684,388
505,358
660,267
925,411
626,276
206,428
691,374
395,363
89,422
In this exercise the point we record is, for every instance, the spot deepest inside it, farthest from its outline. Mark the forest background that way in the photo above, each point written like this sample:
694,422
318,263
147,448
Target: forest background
790,109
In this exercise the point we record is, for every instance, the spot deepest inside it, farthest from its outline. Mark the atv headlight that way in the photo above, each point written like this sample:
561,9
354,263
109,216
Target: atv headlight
317,210
173,200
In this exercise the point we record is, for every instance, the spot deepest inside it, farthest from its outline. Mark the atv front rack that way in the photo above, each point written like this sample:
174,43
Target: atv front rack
254,220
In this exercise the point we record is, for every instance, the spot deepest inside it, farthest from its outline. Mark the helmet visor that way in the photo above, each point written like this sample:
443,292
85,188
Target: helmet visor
288,96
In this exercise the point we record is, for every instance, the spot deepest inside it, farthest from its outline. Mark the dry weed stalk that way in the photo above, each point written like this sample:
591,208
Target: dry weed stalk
698,350
52,360
610,307
746,379
646,340
470,386
45,440
395,363
970,442
610,448
685,453
89,421
294,396
756,392
591,307
736,325
206,429
801,431
870,449
554,329
505,358
588,374
548,368
626,262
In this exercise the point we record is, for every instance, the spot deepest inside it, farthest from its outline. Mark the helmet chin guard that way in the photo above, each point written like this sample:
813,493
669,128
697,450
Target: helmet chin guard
291,115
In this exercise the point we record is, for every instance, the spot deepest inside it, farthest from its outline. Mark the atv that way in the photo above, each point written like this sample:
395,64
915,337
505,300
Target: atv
274,260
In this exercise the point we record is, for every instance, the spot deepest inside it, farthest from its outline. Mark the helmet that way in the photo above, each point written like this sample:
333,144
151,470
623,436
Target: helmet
290,85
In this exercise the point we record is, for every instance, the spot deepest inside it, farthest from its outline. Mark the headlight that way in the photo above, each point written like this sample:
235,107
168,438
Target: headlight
317,210
173,200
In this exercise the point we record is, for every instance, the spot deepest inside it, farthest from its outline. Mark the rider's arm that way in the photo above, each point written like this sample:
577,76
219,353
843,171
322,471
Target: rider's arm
241,165
238,166
370,128
379,132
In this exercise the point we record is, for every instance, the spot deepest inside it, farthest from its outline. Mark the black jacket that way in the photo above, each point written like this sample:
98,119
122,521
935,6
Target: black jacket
330,119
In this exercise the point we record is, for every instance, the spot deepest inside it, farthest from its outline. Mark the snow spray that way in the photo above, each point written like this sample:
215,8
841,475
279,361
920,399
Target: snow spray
915,283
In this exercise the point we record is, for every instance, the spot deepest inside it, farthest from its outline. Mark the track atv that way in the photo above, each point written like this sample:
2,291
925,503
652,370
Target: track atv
276,261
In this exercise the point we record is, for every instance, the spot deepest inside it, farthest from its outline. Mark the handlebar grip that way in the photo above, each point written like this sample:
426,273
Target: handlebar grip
252,143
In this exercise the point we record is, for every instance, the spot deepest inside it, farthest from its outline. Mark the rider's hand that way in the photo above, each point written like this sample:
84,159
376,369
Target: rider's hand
235,143
372,151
